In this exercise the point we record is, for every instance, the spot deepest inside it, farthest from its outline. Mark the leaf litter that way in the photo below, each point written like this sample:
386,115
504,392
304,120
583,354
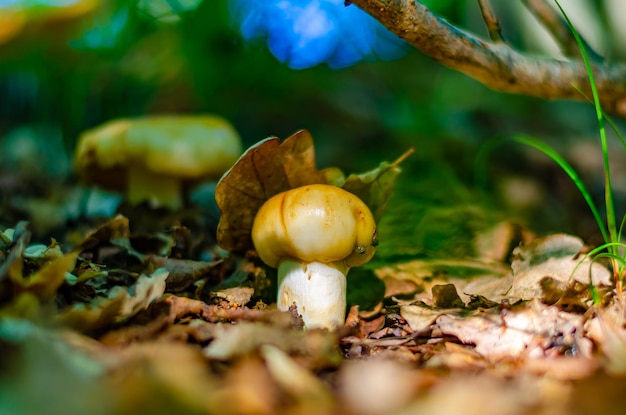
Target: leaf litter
119,320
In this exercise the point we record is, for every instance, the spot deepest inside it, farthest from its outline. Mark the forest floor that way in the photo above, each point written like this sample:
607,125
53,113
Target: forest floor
127,314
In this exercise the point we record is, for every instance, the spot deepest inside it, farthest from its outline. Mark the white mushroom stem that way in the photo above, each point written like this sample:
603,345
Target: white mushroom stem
158,190
317,289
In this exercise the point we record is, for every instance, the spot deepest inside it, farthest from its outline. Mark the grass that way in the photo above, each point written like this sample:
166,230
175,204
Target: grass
612,248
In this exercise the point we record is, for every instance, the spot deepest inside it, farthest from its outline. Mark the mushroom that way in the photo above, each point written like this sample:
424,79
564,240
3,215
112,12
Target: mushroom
153,158
313,235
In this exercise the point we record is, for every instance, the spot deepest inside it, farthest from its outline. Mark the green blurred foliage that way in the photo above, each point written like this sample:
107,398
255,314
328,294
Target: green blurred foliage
124,61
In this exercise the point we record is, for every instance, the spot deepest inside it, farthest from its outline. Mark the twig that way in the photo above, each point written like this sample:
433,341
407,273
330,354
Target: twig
495,64
491,21
559,30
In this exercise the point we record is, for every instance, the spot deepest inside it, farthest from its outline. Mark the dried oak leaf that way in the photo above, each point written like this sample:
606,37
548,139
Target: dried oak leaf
532,330
119,304
375,187
182,272
116,233
265,169
270,167
557,257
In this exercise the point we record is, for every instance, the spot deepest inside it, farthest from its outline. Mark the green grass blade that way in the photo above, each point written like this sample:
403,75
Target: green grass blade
605,117
608,190
569,170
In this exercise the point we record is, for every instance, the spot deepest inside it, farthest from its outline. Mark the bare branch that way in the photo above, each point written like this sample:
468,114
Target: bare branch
559,29
495,64
492,23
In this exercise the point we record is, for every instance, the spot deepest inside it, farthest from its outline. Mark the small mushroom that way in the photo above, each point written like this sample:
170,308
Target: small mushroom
313,235
153,158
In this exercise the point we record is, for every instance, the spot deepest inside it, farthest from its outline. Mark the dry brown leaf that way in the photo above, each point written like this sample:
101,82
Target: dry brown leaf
455,356
491,287
377,386
295,380
235,297
531,330
317,348
175,307
420,318
182,272
485,394
554,256
120,303
45,282
161,377
265,169
246,389
607,330
445,296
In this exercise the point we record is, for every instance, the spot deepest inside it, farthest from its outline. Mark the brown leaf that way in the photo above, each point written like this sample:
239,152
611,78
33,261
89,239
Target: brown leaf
182,272
554,256
532,330
265,169
234,297
176,307
445,296
120,303
298,382
377,386
45,282
313,348
375,187
247,388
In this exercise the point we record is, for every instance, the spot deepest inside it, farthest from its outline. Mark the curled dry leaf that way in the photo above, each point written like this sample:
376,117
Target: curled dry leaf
375,187
313,348
554,256
377,386
265,169
182,272
32,275
234,297
270,167
120,303
294,379
116,231
532,330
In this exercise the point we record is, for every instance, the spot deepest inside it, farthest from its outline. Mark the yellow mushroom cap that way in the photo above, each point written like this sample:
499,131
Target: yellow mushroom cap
315,223
188,147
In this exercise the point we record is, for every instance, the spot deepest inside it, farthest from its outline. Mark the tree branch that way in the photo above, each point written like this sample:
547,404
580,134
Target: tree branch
492,23
496,65
558,28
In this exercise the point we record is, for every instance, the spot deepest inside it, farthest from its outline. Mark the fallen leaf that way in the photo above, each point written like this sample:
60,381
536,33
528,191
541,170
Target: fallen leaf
265,169
270,167
161,377
247,388
45,282
420,318
530,330
377,386
236,296
120,303
375,187
115,232
316,348
298,382
445,296
607,330
182,272
554,256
